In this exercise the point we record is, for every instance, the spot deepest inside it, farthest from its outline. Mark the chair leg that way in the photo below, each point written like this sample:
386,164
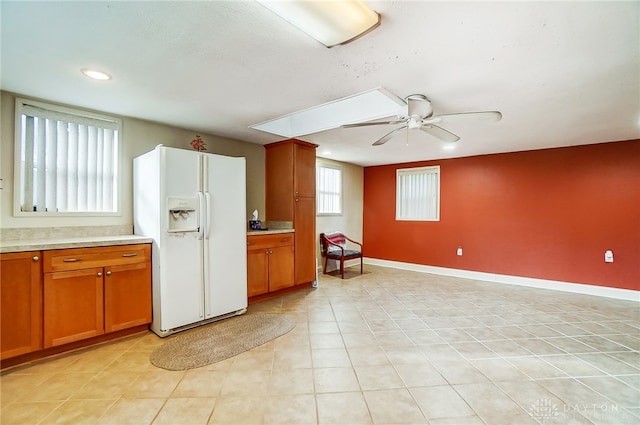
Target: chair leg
360,265
324,270
342,267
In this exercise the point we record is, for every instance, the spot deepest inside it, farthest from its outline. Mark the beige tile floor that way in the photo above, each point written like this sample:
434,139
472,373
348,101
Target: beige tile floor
387,347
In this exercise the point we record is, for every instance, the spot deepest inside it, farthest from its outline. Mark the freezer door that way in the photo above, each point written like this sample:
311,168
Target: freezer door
181,253
225,235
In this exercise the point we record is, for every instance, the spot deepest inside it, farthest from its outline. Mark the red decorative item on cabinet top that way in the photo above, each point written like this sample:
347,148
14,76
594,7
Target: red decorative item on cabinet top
198,144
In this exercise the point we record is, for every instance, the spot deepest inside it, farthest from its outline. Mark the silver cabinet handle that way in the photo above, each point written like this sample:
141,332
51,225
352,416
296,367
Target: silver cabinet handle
109,273
99,274
133,254
35,258
72,260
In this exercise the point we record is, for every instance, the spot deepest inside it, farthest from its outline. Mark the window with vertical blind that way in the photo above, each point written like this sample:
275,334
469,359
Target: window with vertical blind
328,190
418,194
66,161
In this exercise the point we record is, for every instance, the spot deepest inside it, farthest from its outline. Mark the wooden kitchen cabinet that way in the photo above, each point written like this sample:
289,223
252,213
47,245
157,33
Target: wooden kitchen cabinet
73,306
304,172
305,242
257,272
21,303
270,263
290,168
92,291
281,268
127,296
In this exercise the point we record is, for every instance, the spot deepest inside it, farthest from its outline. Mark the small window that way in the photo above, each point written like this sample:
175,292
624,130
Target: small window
418,194
66,161
329,190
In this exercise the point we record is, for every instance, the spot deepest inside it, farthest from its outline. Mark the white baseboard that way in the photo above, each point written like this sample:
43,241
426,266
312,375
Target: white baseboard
579,288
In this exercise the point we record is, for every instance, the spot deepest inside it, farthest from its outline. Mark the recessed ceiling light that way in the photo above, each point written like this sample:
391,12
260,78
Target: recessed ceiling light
449,147
326,152
95,74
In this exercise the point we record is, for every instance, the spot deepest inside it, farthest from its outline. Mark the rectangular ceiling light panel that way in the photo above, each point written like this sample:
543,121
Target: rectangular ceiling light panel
366,106
330,22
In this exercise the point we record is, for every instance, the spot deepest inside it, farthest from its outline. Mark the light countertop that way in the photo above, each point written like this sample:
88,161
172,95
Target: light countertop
23,245
268,232
64,243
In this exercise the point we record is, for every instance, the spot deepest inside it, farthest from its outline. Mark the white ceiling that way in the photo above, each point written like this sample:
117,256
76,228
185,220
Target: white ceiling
562,73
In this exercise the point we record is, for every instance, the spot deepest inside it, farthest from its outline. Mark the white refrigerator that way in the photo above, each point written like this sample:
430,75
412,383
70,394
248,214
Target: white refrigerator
192,204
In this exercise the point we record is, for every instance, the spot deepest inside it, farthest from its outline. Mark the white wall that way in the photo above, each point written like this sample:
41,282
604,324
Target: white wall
137,137
350,221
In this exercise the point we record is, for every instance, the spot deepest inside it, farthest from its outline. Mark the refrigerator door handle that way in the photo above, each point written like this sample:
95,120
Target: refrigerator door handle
208,218
201,219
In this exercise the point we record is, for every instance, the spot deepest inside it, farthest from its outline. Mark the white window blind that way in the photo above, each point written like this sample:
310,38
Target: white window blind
329,190
418,194
68,160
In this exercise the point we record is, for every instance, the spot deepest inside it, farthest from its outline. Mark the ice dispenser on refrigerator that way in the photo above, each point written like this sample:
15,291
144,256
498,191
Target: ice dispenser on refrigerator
183,215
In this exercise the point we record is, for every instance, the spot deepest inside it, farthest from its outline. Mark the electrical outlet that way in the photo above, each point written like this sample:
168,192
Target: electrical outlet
608,256
459,251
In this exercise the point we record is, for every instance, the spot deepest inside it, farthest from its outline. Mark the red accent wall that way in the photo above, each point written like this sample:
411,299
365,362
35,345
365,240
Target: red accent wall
548,214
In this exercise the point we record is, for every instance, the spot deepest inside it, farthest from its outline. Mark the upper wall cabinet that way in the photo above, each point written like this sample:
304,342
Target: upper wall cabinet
290,173
304,171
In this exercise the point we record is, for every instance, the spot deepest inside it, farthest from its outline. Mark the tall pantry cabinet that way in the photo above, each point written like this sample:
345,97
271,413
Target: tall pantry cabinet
291,197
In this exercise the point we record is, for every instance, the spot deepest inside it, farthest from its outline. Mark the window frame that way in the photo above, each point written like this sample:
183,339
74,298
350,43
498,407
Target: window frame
341,194
432,169
18,183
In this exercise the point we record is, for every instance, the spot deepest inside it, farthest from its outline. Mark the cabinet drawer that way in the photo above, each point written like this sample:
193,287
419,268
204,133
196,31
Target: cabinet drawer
84,258
269,241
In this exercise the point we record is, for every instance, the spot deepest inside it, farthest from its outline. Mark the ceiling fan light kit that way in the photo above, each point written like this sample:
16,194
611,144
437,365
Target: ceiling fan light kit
419,115
330,22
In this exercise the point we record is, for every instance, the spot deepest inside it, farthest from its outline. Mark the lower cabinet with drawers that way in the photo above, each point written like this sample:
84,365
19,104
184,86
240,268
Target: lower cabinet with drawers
92,291
270,263
78,294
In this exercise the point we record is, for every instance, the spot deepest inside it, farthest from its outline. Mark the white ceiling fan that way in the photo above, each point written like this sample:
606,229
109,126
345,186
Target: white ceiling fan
419,114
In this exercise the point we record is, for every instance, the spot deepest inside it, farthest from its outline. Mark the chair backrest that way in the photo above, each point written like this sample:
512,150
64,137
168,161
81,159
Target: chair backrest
333,237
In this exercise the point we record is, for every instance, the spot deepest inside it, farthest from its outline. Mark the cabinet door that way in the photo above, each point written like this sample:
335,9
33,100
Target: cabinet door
21,303
305,240
257,272
73,306
127,296
305,171
281,267
279,172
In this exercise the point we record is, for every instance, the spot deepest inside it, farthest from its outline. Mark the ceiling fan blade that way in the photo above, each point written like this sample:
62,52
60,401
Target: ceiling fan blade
384,139
440,133
418,104
365,124
470,116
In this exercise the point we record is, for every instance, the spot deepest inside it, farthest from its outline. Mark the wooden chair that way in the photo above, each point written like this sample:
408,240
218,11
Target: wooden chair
334,246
